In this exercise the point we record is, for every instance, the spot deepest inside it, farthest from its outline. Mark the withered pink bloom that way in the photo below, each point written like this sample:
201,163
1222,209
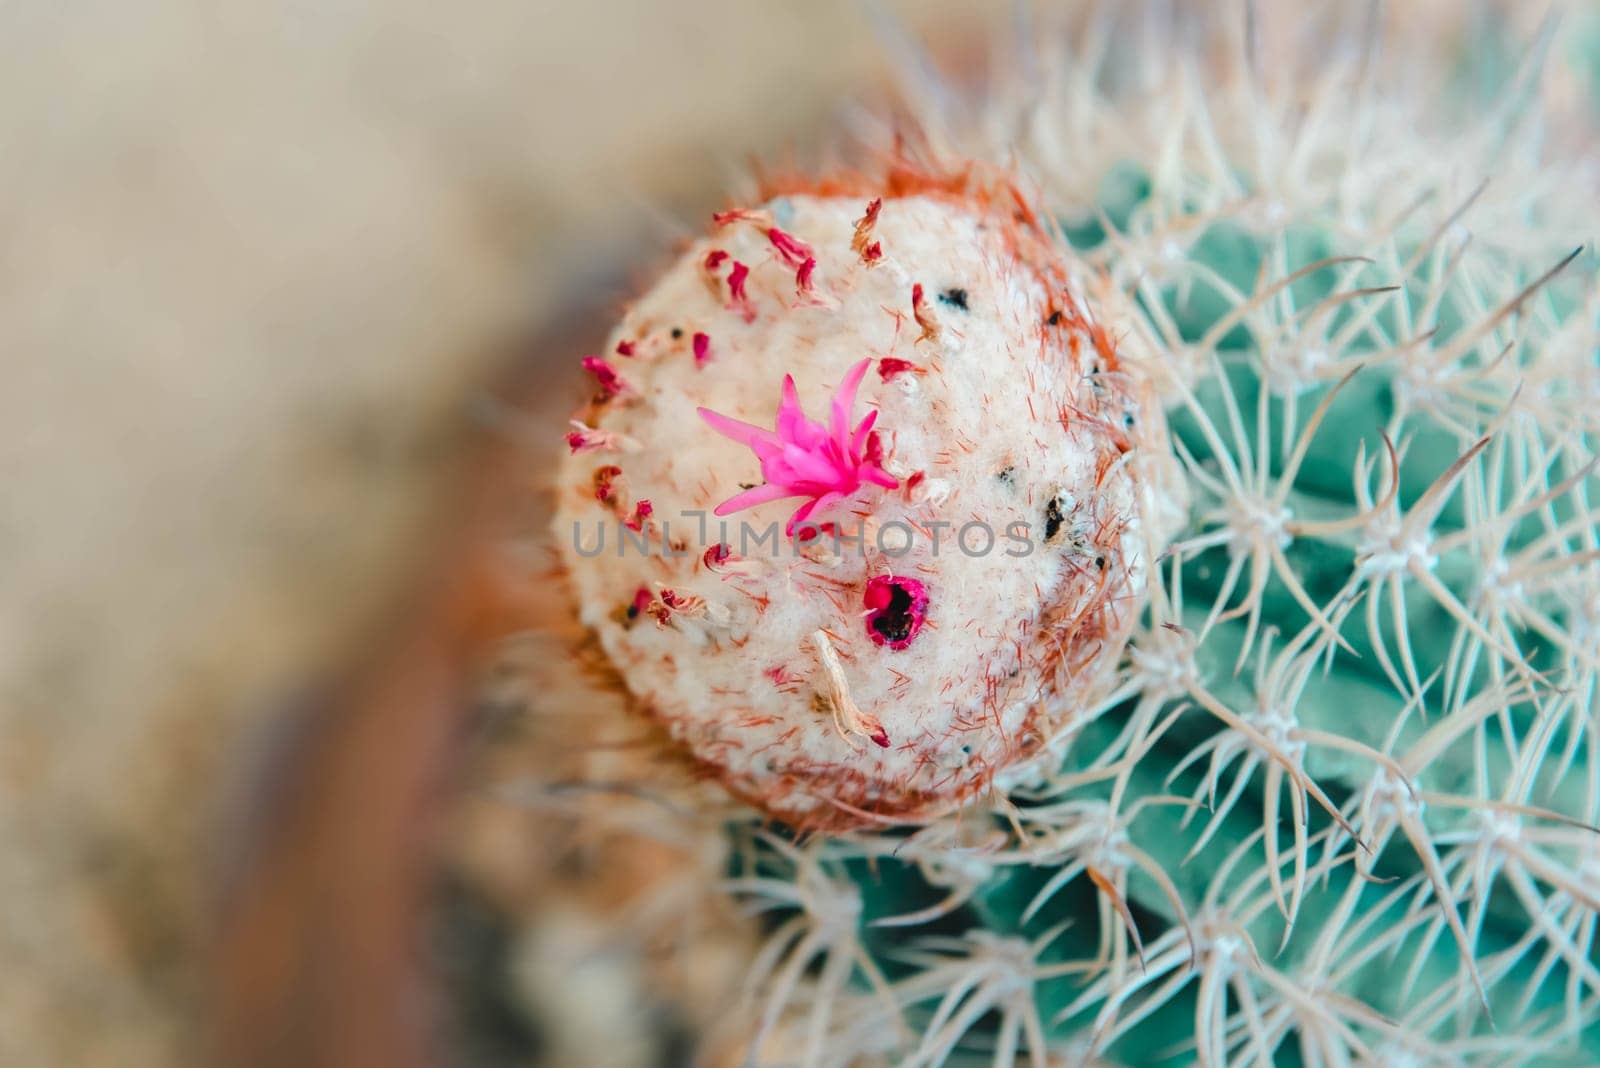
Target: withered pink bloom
642,600
728,218
683,604
802,275
889,366
794,251
712,268
641,515
862,241
738,297
924,315
605,483
585,438
611,383
804,458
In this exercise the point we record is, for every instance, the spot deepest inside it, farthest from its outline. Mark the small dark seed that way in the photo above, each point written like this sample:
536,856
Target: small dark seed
956,298
677,332
1052,518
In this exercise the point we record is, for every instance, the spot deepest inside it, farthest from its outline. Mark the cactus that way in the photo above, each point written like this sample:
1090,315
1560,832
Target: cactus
1320,785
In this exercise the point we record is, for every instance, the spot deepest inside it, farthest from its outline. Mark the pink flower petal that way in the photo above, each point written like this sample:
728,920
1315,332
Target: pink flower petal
810,508
878,476
752,497
746,434
859,438
791,419
845,400
872,452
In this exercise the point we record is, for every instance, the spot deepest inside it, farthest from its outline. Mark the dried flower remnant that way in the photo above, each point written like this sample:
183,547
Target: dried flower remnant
711,268
861,242
640,604
738,296
794,251
802,277
606,377
737,215
924,315
585,438
848,718
891,366
605,482
642,511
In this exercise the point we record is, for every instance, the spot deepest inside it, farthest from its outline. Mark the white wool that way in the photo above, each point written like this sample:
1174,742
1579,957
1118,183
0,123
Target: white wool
742,683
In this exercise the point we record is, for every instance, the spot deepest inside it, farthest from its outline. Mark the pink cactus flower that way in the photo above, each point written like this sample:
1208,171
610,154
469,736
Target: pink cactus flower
803,458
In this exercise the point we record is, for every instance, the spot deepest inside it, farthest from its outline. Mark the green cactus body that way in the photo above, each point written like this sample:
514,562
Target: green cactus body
1403,628
1340,810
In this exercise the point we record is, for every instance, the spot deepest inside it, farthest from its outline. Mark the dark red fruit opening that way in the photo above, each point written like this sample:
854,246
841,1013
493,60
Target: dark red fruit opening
896,610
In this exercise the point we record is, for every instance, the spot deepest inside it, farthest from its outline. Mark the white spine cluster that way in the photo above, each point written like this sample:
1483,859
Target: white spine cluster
1382,687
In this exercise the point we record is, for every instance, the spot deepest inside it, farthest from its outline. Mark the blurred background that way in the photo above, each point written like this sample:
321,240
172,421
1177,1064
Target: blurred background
261,263
266,270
